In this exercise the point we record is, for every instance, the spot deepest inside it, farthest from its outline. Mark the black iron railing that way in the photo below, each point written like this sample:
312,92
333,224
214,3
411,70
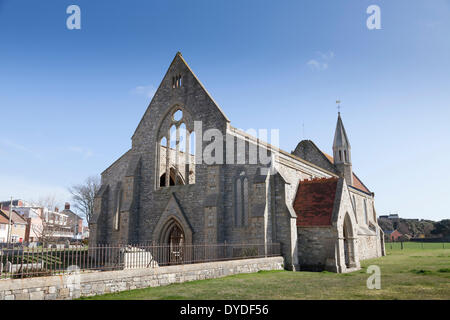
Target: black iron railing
23,262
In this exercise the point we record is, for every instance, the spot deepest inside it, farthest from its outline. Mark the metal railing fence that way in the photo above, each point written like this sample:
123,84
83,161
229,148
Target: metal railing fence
410,245
23,262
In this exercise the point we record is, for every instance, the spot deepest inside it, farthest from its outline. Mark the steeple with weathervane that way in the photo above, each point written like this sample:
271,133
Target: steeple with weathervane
342,150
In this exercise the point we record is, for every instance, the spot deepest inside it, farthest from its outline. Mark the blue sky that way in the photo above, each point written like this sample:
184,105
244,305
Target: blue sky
70,100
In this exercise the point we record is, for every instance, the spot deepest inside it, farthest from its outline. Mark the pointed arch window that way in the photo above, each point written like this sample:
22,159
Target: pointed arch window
354,207
176,161
366,217
241,201
118,207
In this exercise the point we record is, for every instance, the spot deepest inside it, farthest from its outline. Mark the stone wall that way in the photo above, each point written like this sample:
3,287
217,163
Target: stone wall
369,247
306,149
95,283
181,163
315,246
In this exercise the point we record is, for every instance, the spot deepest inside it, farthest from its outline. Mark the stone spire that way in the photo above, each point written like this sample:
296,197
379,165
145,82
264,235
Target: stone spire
342,152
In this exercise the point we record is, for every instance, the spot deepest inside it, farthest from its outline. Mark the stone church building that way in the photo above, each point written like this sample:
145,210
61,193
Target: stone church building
162,189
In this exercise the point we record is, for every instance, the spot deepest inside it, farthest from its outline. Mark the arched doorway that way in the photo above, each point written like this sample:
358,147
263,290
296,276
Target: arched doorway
173,241
349,243
176,245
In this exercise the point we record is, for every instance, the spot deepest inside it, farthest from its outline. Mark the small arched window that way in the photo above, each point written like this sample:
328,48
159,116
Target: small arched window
176,81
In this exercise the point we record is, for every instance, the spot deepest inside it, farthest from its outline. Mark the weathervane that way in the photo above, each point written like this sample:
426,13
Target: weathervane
338,102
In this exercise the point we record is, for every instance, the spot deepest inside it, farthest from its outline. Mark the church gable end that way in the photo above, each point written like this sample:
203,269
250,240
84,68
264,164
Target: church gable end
173,213
307,150
179,87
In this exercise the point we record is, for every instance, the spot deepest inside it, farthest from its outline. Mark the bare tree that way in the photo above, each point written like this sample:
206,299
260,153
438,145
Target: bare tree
83,195
45,230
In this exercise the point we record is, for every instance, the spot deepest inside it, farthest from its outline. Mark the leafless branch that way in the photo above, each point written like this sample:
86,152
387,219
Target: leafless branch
83,196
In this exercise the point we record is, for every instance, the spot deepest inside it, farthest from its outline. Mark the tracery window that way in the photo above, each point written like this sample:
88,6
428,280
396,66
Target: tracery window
176,151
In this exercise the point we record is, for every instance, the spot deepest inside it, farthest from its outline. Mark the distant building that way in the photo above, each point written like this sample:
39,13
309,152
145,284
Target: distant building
58,226
4,226
18,226
390,216
44,222
34,221
393,235
74,221
4,205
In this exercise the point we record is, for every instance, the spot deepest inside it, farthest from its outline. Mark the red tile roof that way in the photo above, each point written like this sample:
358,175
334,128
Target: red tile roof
330,158
15,217
314,202
356,182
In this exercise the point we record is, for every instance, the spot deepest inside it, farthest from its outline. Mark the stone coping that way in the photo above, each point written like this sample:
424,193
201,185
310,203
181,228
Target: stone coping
86,277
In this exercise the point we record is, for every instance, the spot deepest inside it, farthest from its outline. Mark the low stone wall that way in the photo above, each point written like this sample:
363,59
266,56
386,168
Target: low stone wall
94,283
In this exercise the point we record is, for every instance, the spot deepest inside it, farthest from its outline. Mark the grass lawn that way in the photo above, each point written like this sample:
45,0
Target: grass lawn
412,273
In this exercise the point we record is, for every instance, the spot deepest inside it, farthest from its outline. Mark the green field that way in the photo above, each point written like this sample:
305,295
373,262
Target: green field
411,273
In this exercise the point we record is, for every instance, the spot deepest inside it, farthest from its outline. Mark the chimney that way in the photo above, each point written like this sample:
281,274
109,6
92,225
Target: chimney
67,206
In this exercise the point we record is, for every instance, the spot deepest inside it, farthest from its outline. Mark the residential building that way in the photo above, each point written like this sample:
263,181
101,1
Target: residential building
74,221
18,226
4,227
42,222
33,216
393,235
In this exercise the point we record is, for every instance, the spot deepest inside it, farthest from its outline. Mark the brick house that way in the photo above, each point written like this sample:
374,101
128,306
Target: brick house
393,235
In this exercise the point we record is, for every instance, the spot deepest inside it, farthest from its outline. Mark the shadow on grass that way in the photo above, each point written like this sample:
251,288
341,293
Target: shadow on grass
421,271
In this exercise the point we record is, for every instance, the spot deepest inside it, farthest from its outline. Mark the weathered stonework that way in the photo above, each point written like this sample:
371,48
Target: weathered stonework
95,283
238,200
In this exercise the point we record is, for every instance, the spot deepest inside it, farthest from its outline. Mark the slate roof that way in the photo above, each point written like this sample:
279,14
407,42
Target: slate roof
357,183
340,136
314,202
71,213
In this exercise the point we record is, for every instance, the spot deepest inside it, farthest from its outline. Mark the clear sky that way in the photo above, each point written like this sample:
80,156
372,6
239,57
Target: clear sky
70,100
